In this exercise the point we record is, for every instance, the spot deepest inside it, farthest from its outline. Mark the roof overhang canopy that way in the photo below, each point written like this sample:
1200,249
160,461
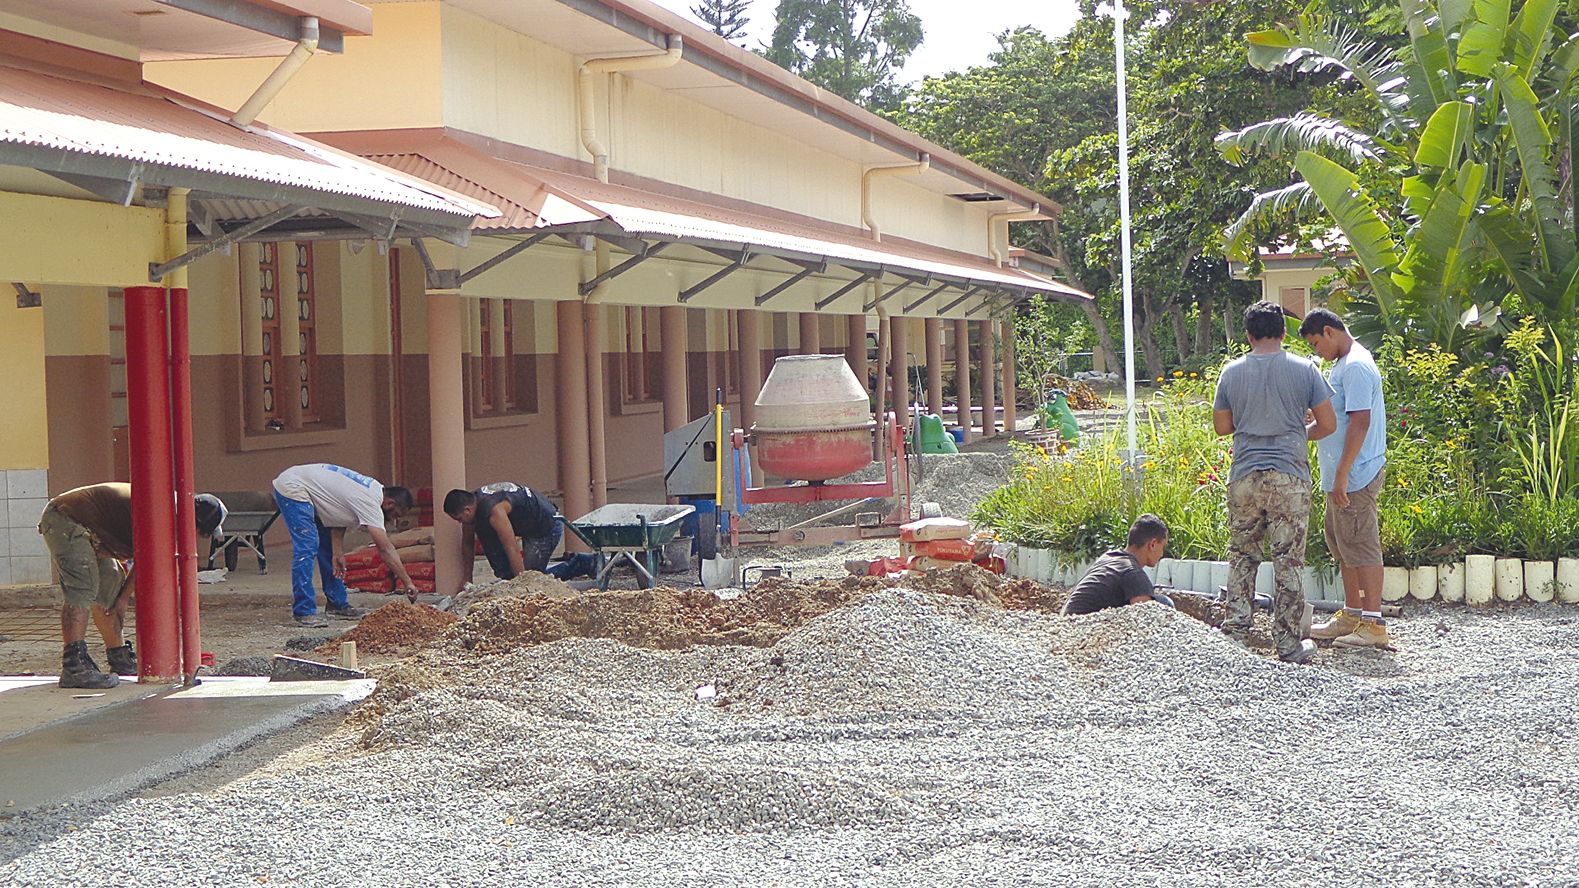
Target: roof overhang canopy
165,30
116,140
539,203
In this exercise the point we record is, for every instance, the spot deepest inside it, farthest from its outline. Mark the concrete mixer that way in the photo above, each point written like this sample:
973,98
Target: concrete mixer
813,425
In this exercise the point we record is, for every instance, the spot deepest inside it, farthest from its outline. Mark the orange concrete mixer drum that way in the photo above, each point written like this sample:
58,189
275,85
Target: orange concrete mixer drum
813,420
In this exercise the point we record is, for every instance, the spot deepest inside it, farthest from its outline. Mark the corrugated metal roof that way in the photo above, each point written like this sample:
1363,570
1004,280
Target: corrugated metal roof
149,125
533,197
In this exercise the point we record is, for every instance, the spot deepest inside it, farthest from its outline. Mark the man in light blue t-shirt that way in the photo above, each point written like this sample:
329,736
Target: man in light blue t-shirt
1263,399
1352,462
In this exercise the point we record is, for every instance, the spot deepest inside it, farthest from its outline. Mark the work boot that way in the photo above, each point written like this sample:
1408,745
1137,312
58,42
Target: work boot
77,669
123,660
1340,624
311,621
1301,655
347,613
1368,634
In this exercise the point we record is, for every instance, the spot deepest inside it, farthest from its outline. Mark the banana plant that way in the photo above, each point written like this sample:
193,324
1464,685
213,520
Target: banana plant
1455,200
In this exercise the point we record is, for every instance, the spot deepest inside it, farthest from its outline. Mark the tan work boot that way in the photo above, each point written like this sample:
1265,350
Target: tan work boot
1368,634
1342,623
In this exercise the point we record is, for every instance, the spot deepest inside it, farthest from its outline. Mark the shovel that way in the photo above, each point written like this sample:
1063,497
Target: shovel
718,573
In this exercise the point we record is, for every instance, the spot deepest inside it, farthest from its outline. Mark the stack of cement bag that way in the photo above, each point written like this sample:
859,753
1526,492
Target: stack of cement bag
365,571
934,543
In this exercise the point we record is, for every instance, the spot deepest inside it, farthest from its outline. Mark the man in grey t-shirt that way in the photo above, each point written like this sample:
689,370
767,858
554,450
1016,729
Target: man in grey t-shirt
1262,400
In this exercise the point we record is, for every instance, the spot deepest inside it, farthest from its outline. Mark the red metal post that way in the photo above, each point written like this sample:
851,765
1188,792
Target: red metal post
153,484
185,482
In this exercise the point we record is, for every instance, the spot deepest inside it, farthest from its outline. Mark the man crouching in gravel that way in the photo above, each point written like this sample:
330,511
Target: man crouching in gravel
1118,577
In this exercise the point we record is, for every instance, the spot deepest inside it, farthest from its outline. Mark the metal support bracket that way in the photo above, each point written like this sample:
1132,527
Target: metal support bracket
987,302
805,272
904,284
644,252
912,306
835,295
157,270
26,298
738,263
509,253
968,293
437,278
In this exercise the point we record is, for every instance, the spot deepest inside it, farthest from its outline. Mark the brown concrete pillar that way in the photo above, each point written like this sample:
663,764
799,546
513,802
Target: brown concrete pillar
1010,379
933,329
810,334
962,376
989,407
446,429
855,346
597,407
570,404
671,328
500,363
750,338
899,366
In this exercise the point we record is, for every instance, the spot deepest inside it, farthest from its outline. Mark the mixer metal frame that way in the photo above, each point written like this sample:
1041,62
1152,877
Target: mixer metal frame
895,483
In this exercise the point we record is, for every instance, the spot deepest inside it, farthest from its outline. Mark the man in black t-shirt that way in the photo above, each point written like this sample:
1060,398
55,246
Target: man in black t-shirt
515,524
1118,577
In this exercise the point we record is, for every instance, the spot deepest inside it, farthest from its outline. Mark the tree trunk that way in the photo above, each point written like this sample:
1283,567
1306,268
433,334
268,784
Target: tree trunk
1145,334
1181,329
1104,335
1203,322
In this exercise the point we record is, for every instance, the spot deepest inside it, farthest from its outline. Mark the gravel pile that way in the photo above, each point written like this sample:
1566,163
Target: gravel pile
905,738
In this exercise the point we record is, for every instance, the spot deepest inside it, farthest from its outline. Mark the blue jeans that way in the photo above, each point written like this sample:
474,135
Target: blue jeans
309,542
535,552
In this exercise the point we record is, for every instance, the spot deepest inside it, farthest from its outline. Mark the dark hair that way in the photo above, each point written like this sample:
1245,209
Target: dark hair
401,498
207,514
1146,528
1264,320
456,500
1319,319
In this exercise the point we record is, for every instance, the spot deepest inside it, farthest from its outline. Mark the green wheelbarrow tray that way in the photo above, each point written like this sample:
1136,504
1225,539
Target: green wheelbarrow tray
618,531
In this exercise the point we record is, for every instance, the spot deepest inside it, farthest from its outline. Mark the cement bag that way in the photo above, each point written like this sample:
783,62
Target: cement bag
417,536
943,550
421,570
411,554
360,558
934,529
366,575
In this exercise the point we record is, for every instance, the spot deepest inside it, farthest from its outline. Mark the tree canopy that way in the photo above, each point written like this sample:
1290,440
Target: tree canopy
854,48
727,18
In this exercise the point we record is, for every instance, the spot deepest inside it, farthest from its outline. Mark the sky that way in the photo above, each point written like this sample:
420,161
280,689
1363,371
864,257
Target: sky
959,33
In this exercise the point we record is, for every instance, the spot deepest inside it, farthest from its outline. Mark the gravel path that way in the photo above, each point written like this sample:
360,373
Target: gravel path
909,740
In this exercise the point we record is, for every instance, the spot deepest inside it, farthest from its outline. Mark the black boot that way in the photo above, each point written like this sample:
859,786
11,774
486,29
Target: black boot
77,669
123,660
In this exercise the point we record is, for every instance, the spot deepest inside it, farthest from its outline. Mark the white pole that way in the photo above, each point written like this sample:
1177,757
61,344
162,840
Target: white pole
1123,211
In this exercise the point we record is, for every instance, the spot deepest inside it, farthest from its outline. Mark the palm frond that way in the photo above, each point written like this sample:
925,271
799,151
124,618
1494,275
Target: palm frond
1301,132
1296,201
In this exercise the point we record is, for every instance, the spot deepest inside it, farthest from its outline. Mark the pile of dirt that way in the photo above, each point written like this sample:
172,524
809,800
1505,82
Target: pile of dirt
399,626
527,584
660,619
1081,395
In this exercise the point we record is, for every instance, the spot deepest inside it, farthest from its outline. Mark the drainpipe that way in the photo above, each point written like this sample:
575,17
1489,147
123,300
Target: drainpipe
907,169
586,96
996,250
271,86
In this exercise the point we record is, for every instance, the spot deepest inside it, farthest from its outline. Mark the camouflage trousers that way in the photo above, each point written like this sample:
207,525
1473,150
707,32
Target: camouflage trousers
1268,509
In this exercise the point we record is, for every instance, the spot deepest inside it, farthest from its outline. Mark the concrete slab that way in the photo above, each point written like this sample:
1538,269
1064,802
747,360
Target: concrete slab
114,750
31,702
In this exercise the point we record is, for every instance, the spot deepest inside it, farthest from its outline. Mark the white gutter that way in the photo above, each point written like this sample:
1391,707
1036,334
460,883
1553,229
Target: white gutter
287,68
907,169
996,250
587,96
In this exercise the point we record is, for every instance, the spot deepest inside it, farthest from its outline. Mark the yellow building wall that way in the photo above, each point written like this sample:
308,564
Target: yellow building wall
24,436
390,80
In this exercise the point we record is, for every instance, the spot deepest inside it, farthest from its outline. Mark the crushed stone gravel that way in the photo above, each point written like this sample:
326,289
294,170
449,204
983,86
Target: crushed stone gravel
903,738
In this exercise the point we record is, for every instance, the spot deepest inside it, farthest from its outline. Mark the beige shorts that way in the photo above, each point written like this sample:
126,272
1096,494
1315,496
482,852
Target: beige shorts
86,577
1354,534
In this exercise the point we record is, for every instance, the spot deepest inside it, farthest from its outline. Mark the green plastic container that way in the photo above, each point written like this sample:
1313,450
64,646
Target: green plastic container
1057,415
935,438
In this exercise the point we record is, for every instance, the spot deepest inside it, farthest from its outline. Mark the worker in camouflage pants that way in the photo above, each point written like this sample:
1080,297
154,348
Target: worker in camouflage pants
1273,403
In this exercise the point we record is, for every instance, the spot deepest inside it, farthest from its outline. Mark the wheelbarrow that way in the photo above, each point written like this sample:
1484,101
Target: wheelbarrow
622,531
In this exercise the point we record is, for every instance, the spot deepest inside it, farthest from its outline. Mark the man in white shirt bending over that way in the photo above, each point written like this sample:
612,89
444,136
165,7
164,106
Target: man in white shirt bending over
318,502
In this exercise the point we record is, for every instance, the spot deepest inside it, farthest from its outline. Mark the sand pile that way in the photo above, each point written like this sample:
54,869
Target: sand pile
527,584
395,627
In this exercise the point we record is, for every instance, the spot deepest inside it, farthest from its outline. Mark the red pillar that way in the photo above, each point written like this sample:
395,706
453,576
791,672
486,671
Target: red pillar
153,483
185,481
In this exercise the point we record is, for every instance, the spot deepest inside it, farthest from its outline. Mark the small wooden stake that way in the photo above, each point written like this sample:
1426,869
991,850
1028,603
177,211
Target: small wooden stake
348,654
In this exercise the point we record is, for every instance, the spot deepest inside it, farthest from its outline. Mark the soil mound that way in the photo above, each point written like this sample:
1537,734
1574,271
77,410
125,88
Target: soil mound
394,627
